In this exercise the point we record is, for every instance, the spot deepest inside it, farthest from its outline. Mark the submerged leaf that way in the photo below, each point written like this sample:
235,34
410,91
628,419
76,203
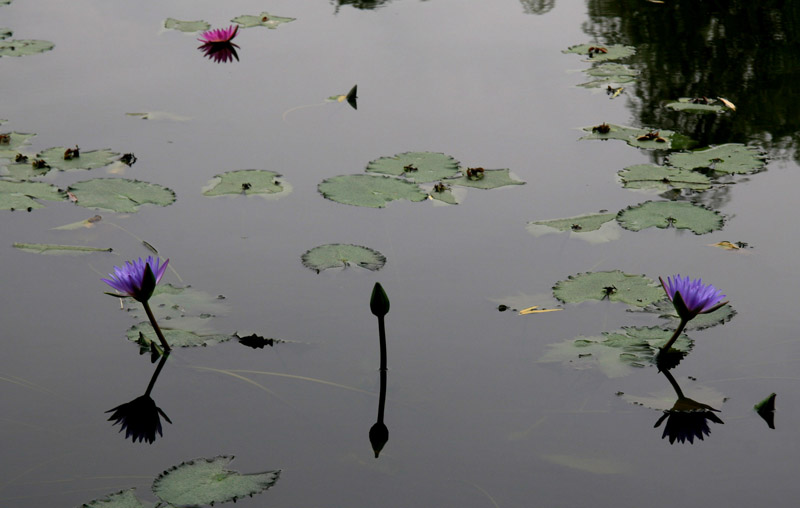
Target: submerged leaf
601,53
23,195
419,167
86,160
207,481
186,26
337,255
368,190
652,176
729,158
663,214
120,194
264,19
47,248
614,285
247,181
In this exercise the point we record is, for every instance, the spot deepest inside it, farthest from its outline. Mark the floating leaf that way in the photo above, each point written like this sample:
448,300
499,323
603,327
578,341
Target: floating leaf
669,140
616,353
578,224
610,73
264,19
247,181
666,310
492,179
733,158
88,223
186,26
612,52
368,190
5,33
23,171
351,97
120,194
614,285
24,47
686,104
47,248
663,214
728,104
143,335
736,247
536,310
419,167
86,160
337,255
121,499
23,195
13,143
444,194
174,302
207,481
652,176
160,115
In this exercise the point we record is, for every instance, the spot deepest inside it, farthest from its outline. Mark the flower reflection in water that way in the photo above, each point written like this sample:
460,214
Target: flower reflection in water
687,419
217,44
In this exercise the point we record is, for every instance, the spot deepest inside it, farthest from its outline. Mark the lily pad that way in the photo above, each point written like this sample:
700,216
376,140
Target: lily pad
121,499
616,286
82,224
13,143
247,181
733,158
686,104
663,214
143,334
47,248
23,195
207,481
186,26
666,310
264,19
579,224
661,139
492,179
160,116
419,167
368,190
652,176
610,73
22,47
120,194
337,255
86,160
172,302
615,353
611,52
22,171
446,195
5,33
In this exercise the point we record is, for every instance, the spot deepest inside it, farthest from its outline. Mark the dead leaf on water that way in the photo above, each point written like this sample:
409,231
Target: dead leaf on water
727,103
536,310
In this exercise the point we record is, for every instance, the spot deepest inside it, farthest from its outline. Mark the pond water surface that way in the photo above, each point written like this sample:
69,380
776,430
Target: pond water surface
475,418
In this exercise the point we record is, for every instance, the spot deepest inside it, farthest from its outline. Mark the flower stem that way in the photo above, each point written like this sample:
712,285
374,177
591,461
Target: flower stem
152,319
675,335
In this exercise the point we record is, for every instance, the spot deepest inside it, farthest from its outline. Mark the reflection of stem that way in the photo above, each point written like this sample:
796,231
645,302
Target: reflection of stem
155,374
382,398
673,383
152,319
382,333
675,335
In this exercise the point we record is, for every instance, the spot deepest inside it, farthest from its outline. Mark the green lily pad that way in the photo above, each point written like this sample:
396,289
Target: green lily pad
121,499
13,144
615,353
613,52
24,47
264,19
610,73
81,224
183,307
368,190
579,224
686,104
86,160
337,255
186,26
23,195
670,140
143,334
616,286
445,196
5,33
47,248
207,481
652,176
733,158
666,310
663,214
492,179
22,171
419,167
120,194
247,181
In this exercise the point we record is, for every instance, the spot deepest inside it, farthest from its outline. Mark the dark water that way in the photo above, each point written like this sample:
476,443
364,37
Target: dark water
474,419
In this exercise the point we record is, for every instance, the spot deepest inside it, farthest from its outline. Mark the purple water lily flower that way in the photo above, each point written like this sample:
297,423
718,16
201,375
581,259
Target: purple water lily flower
219,35
138,279
692,297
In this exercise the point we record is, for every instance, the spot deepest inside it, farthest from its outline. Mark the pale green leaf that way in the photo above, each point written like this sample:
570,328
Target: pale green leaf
368,190
652,176
247,181
337,255
47,248
686,104
663,214
730,158
86,160
419,167
613,52
24,47
264,19
23,195
186,26
661,139
616,286
121,499
491,179
120,194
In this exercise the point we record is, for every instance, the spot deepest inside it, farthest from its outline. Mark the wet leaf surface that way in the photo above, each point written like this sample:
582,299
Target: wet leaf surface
247,181
14,144
666,310
492,179
418,167
729,158
86,160
337,255
143,335
664,214
120,194
657,139
615,286
652,176
264,19
24,195
186,26
368,190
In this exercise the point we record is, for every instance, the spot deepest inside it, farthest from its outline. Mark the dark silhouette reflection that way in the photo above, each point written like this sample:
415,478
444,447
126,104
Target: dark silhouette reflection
141,418
220,52
687,419
379,305
766,410
741,50
666,360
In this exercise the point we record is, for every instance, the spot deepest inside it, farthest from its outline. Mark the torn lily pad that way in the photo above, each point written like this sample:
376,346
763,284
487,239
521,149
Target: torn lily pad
144,335
652,176
697,105
207,481
663,214
122,499
120,194
65,159
248,181
337,255
733,158
488,179
600,53
48,248
616,286
615,353
24,195
648,139
368,190
186,26
418,167
20,47
264,19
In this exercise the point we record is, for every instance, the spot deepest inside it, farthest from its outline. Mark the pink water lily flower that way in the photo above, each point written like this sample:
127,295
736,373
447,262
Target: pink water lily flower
219,35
